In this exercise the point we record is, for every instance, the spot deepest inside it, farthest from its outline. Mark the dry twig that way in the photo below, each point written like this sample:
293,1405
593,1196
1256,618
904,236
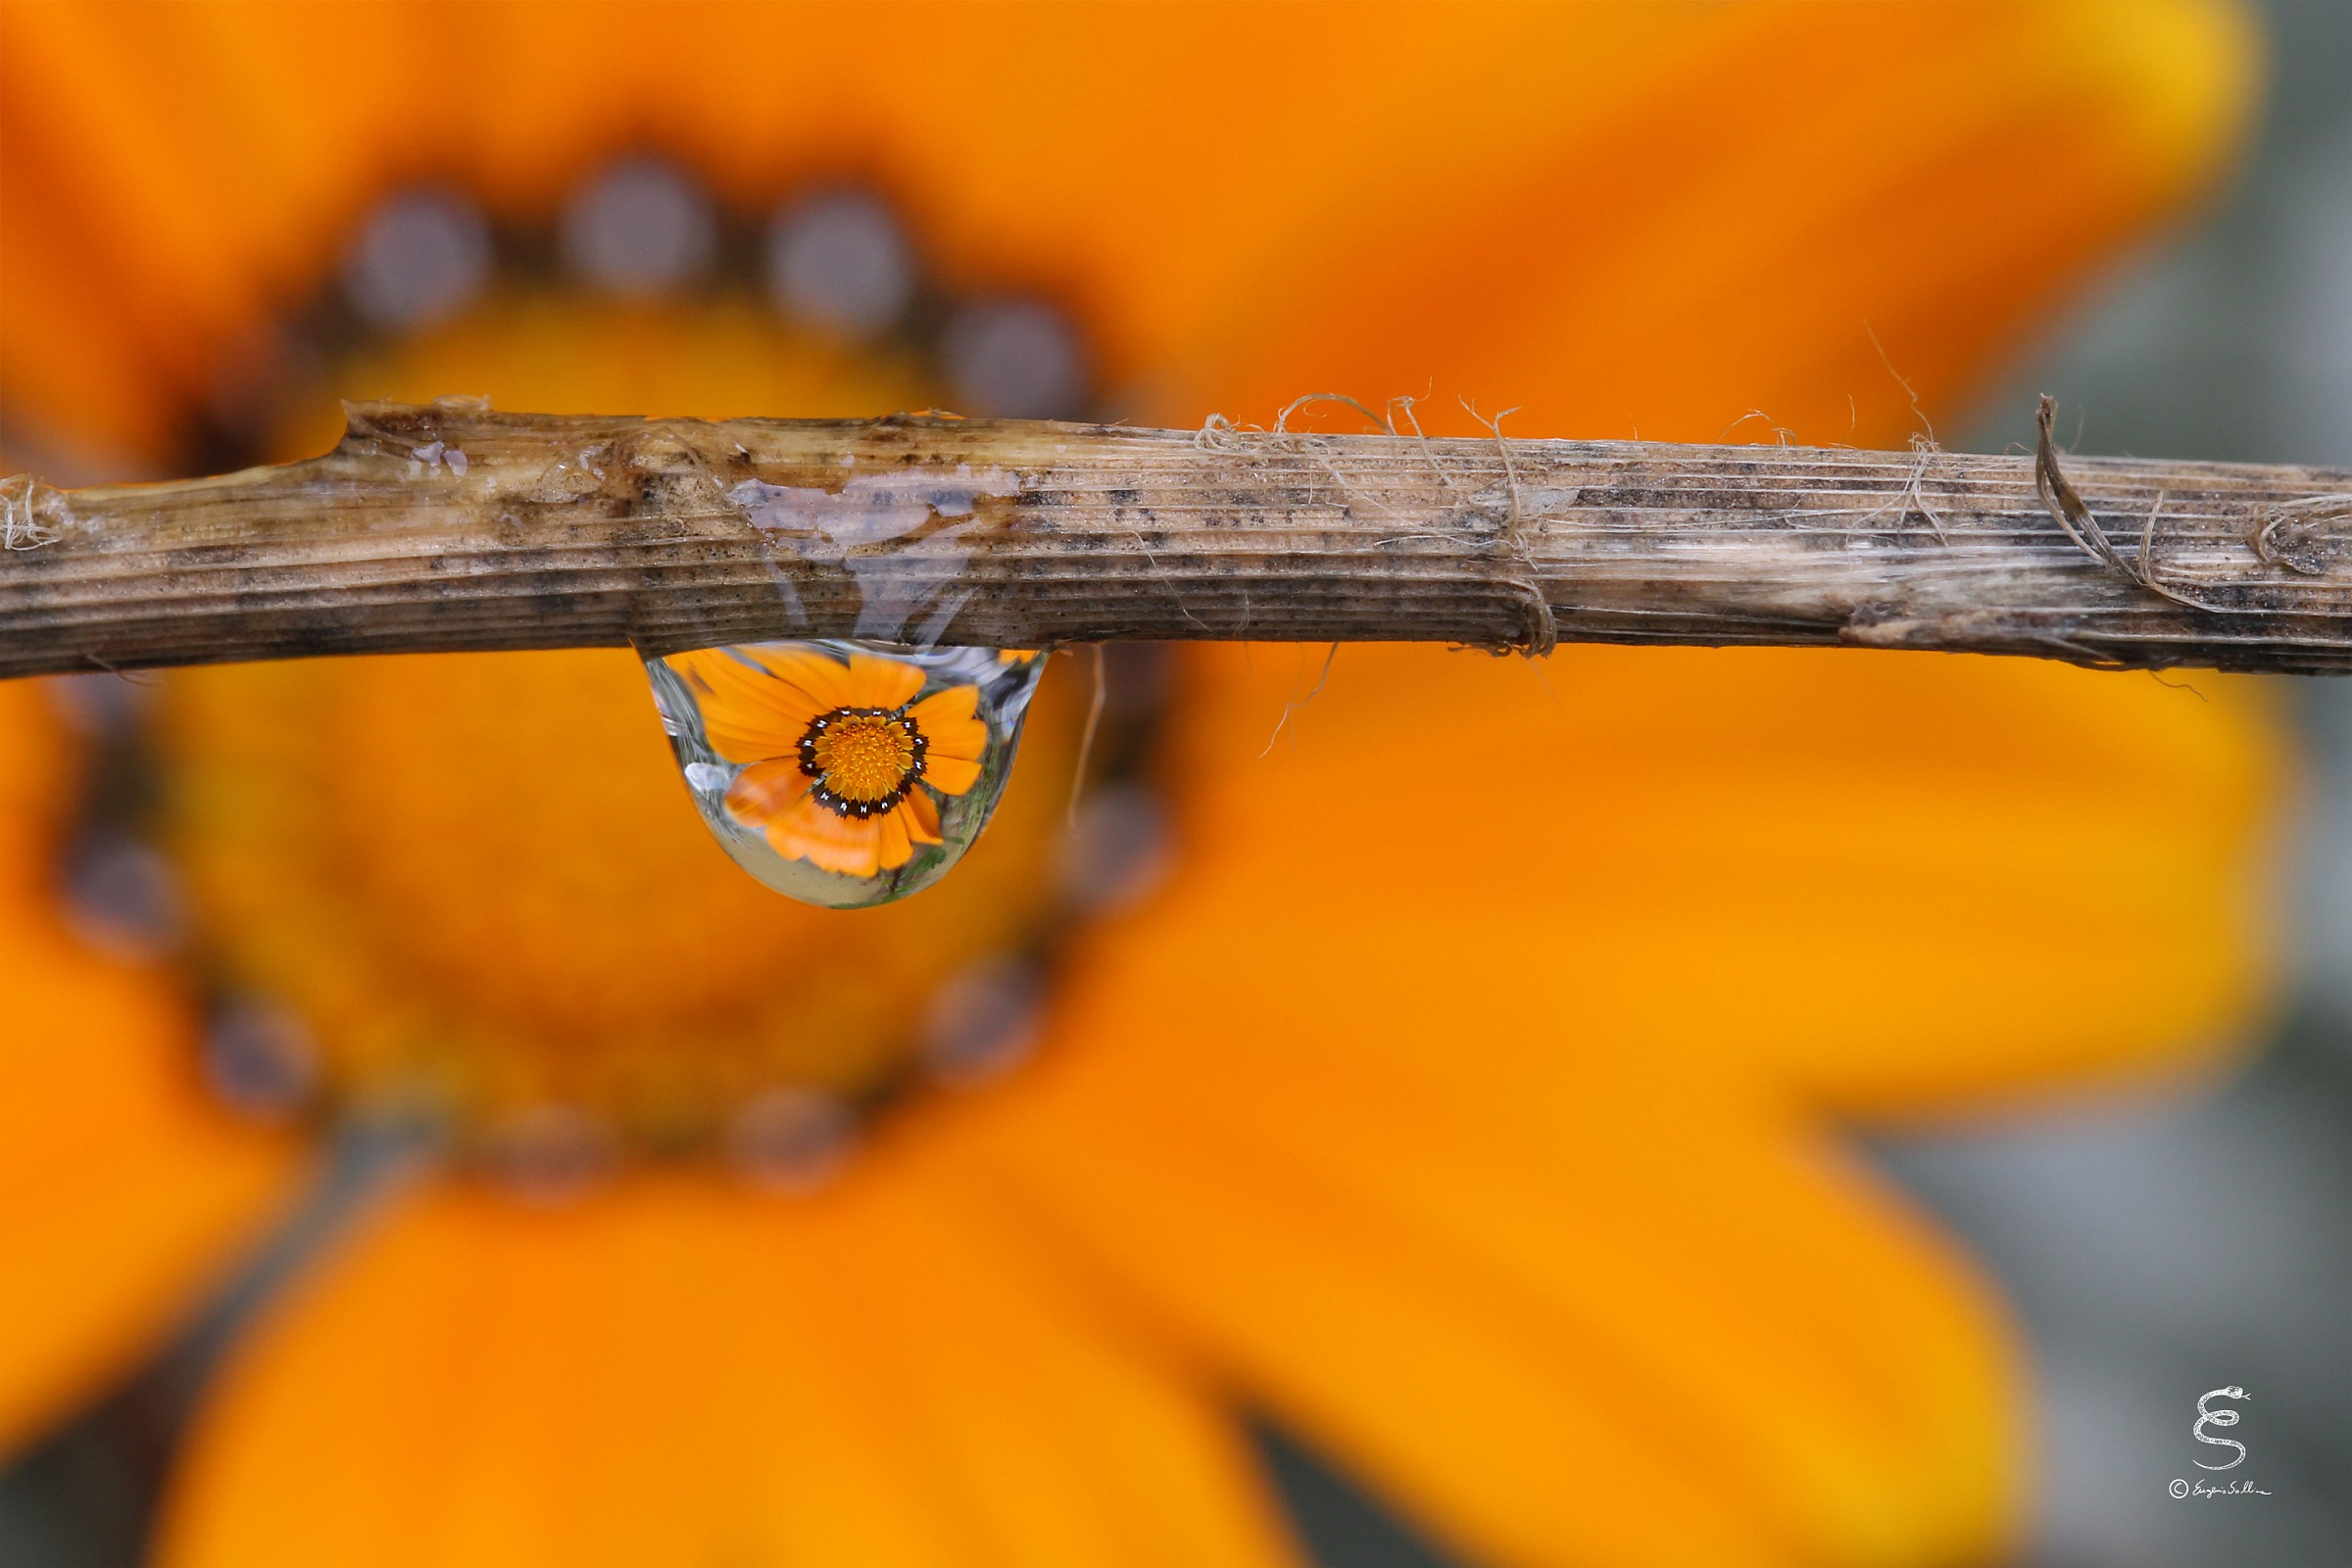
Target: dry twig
451,528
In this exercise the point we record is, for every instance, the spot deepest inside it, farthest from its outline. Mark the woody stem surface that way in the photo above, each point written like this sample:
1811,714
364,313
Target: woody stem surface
449,529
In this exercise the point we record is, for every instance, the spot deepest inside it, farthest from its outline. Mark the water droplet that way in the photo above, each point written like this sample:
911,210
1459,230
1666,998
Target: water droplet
845,774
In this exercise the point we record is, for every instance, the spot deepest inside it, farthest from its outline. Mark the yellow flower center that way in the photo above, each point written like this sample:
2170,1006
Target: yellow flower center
864,760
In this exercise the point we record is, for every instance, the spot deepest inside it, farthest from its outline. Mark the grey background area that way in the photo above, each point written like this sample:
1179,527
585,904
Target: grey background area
2152,1251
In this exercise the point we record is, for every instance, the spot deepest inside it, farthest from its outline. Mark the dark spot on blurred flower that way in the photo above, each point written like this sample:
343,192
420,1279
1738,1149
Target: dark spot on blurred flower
421,259
1015,359
101,705
1120,851
840,261
122,897
641,227
259,1058
983,1021
790,1141
550,1155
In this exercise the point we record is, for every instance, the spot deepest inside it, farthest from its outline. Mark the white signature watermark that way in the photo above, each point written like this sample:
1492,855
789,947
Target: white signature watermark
2181,1486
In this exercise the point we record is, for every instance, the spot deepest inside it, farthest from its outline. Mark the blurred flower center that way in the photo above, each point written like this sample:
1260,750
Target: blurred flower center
476,881
864,760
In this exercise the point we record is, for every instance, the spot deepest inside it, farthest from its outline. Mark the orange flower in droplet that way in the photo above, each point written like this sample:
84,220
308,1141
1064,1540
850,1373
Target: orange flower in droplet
837,757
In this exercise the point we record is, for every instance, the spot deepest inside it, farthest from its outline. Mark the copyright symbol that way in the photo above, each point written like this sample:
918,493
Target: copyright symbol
2179,1488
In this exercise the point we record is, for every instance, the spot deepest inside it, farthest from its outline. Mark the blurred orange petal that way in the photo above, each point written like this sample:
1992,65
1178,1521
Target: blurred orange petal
1599,258
1878,882
124,1193
1755,247
1492,1300
680,1372
39,768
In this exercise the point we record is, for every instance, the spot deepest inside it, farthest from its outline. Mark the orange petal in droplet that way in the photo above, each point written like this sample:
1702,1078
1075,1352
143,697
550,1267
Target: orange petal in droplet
948,719
880,682
895,849
748,715
827,840
922,817
957,739
950,775
823,677
765,790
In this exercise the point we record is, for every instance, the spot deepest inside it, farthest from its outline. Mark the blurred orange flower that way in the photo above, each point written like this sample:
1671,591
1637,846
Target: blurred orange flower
1483,1145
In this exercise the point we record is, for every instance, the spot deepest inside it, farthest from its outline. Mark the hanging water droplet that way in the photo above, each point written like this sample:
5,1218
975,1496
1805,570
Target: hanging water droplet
845,773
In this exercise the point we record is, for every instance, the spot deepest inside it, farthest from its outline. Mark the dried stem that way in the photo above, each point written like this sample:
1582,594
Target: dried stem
451,528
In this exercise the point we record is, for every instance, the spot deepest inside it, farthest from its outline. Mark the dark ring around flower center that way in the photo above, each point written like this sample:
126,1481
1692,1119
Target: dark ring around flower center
854,801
